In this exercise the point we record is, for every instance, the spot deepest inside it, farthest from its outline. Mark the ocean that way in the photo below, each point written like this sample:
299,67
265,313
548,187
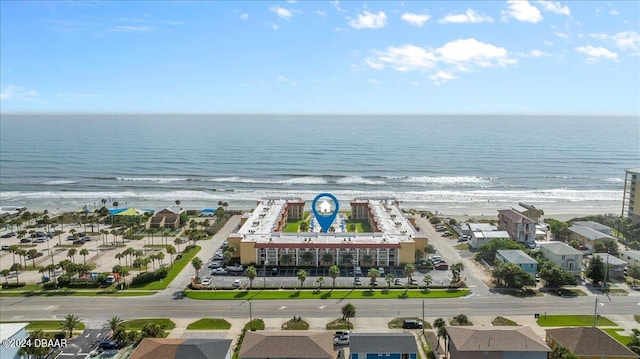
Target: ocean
452,164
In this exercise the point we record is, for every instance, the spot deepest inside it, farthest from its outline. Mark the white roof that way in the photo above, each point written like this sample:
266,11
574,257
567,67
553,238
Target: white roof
609,258
632,254
482,227
8,330
559,248
492,234
593,225
590,233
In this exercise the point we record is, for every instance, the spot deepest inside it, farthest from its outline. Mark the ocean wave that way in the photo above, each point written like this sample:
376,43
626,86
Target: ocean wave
446,180
151,179
359,180
444,196
614,179
58,182
289,181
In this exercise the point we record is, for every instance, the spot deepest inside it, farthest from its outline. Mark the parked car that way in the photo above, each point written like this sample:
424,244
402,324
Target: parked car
397,281
411,324
78,241
237,283
219,271
40,239
358,271
108,345
537,278
446,234
9,235
341,340
215,264
5,247
25,240
381,271
86,238
218,256
442,266
462,239
206,281
357,281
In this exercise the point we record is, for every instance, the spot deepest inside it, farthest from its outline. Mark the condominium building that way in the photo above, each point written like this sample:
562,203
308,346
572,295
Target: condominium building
392,241
520,227
631,199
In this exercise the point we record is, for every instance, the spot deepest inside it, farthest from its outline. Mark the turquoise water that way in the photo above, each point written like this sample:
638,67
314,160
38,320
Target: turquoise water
68,161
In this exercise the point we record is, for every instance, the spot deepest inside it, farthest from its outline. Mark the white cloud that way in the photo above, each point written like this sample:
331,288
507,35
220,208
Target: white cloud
555,7
321,13
535,53
274,27
521,10
468,17
594,54
336,5
133,28
282,12
562,35
368,20
403,58
627,40
462,55
13,92
614,12
441,76
415,19
374,82
244,16
547,43
285,80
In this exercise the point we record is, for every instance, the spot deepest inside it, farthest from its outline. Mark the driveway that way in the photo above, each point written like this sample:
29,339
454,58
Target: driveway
80,346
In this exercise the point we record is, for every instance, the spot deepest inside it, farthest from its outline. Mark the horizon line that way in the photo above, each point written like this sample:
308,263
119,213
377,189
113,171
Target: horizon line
169,113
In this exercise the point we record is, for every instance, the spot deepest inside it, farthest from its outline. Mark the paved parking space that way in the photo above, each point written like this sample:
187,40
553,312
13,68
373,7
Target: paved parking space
79,347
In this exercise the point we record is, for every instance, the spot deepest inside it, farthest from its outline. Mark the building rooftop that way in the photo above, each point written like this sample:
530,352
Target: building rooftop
515,216
178,348
559,248
480,227
264,218
287,344
590,342
516,256
7,330
487,339
593,225
632,254
492,234
383,343
609,258
590,233
634,170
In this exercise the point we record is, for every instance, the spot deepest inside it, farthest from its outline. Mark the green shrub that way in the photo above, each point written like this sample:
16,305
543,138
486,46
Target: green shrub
13,285
148,277
434,220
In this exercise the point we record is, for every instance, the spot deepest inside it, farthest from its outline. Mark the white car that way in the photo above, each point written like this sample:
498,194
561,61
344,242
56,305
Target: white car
237,283
206,281
219,271
381,271
341,340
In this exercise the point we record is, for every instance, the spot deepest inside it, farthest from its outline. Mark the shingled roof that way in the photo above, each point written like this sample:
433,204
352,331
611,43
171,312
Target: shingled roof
383,343
307,345
587,341
178,348
496,339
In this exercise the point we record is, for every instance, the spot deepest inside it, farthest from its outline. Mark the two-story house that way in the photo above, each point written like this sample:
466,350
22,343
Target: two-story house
563,255
520,228
519,258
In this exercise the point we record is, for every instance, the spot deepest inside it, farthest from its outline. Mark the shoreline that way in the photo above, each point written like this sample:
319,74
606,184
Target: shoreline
459,211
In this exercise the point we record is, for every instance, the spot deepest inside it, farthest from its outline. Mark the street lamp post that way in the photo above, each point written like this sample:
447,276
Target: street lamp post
595,312
354,271
264,268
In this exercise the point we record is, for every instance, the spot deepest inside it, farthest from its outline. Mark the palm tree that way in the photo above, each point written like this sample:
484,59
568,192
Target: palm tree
23,256
115,204
178,242
373,274
334,272
150,231
59,234
160,257
32,253
197,264
302,276
13,249
5,273
72,252
367,259
151,330
114,323
327,258
104,202
119,257
84,253
69,323
177,202
15,267
408,270
251,273
389,279
286,259
456,269
348,311
320,280
427,281
171,250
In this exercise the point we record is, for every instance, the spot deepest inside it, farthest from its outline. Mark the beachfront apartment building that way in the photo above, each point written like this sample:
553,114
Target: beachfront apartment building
529,211
563,255
393,240
631,197
521,228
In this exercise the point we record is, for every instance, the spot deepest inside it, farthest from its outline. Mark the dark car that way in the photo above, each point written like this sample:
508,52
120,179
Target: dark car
9,235
442,266
25,240
411,324
108,345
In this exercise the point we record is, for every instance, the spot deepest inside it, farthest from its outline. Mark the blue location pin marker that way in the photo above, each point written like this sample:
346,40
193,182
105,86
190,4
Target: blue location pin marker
323,216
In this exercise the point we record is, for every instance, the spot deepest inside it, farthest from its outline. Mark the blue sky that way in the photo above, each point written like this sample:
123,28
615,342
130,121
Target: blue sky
320,57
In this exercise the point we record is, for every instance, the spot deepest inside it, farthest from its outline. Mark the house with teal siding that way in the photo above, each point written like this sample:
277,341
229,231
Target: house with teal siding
383,345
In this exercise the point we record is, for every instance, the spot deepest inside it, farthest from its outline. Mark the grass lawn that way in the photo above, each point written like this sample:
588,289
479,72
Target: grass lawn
293,324
137,324
209,324
292,227
257,324
73,293
325,294
396,323
503,321
461,246
339,324
573,321
46,325
623,339
178,266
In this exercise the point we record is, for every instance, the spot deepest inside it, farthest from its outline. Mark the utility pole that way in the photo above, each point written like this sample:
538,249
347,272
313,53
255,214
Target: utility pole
250,317
423,317
595,313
